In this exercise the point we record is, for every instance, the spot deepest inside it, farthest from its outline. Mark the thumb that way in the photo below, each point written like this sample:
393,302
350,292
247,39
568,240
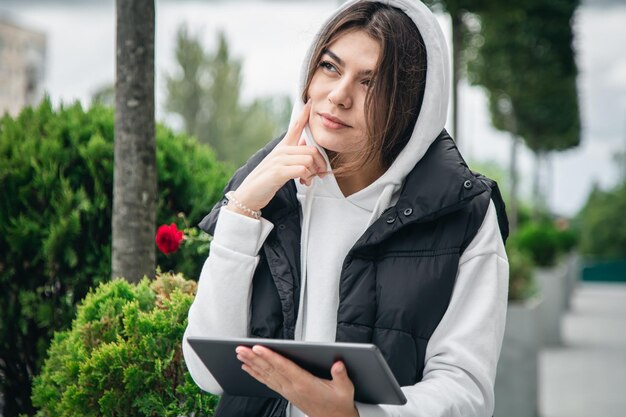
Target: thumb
339,373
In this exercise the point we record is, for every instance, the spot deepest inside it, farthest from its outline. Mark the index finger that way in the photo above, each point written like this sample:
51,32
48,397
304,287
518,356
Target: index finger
284,366
295,130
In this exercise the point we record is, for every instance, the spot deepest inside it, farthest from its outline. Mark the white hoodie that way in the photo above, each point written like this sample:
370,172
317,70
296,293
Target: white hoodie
343,220
461,357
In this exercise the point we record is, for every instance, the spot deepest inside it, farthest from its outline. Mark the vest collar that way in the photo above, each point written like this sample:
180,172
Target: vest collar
440,180
440,183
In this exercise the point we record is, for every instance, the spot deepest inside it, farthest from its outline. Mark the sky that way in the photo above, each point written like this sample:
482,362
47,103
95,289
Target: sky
271,37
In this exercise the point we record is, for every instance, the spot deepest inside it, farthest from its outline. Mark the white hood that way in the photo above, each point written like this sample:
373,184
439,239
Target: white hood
434,110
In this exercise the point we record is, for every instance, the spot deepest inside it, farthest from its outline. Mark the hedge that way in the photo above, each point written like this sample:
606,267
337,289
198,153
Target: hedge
56,175
123,355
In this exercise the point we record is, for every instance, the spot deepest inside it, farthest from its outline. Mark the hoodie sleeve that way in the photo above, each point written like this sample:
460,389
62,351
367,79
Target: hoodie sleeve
222,300
462,354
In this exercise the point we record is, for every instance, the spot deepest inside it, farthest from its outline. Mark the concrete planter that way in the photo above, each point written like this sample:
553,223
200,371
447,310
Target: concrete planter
552,289
516,385
574,269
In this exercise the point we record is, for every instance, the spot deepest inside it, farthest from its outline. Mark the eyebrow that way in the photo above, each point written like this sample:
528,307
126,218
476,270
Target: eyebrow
340,61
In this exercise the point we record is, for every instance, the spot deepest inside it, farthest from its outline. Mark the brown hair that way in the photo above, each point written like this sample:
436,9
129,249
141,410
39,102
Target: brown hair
394,101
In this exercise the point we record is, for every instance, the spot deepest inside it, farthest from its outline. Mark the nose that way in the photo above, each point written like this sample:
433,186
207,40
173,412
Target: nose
341,95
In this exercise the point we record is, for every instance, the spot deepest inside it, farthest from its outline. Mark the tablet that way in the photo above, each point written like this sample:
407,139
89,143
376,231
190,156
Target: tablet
374,383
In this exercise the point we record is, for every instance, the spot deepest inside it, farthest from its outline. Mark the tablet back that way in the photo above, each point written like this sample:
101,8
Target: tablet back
373,381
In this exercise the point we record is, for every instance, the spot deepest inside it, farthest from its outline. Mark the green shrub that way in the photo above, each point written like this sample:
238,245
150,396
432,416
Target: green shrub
123,355
603,224
56,175
522,283
567,240
544,242
540,241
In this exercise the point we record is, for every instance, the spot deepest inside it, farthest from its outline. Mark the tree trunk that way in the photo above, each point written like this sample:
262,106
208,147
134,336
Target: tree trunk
538,199
457,47
514,182
547,190
134,179
511,124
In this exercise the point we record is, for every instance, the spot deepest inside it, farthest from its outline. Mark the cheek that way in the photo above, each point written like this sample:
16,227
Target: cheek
362,119
316,89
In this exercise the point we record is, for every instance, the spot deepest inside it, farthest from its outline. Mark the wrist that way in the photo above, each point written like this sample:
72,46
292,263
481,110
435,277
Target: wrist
232,207
243,197
237,205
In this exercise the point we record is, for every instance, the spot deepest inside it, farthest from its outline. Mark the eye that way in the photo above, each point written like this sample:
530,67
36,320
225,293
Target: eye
368,83
328,66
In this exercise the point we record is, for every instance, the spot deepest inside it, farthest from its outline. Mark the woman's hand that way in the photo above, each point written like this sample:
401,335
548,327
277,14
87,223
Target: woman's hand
316,397
290,159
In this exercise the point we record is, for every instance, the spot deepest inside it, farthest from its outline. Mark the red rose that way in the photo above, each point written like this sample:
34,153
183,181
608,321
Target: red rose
168,238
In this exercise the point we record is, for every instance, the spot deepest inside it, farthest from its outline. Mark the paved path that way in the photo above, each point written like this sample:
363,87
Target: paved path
587,376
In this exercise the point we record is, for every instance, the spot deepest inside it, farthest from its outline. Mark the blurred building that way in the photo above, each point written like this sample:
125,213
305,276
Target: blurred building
22,66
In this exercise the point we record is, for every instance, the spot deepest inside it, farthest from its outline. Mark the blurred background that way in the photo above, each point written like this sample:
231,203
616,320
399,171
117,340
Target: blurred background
540,103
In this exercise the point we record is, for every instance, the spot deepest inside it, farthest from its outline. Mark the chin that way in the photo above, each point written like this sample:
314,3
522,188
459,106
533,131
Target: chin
328,143
331,141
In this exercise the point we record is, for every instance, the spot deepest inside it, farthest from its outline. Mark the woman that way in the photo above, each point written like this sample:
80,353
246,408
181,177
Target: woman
361,224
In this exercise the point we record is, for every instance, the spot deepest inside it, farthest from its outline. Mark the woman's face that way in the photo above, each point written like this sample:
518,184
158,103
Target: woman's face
338,89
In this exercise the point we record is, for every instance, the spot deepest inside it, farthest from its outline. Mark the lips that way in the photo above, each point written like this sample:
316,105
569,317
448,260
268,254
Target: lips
332,122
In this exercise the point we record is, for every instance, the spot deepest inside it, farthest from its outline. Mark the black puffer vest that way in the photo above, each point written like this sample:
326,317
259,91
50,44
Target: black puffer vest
396,281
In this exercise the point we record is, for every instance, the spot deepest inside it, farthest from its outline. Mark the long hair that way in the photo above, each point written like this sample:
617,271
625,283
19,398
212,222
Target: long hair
394,101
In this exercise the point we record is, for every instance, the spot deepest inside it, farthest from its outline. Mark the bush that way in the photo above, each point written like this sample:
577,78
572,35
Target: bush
544,242
123,355
56,176
603,224
522,284
190,181
567,240
540,241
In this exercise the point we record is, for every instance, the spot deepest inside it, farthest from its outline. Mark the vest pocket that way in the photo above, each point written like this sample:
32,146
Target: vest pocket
399,350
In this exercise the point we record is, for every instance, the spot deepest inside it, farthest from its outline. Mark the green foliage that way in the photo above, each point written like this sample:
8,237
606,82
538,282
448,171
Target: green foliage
522,284
496,172
544,243
568,240
205,94
56,175
603,224
524,214
123,355
523,56
190,182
